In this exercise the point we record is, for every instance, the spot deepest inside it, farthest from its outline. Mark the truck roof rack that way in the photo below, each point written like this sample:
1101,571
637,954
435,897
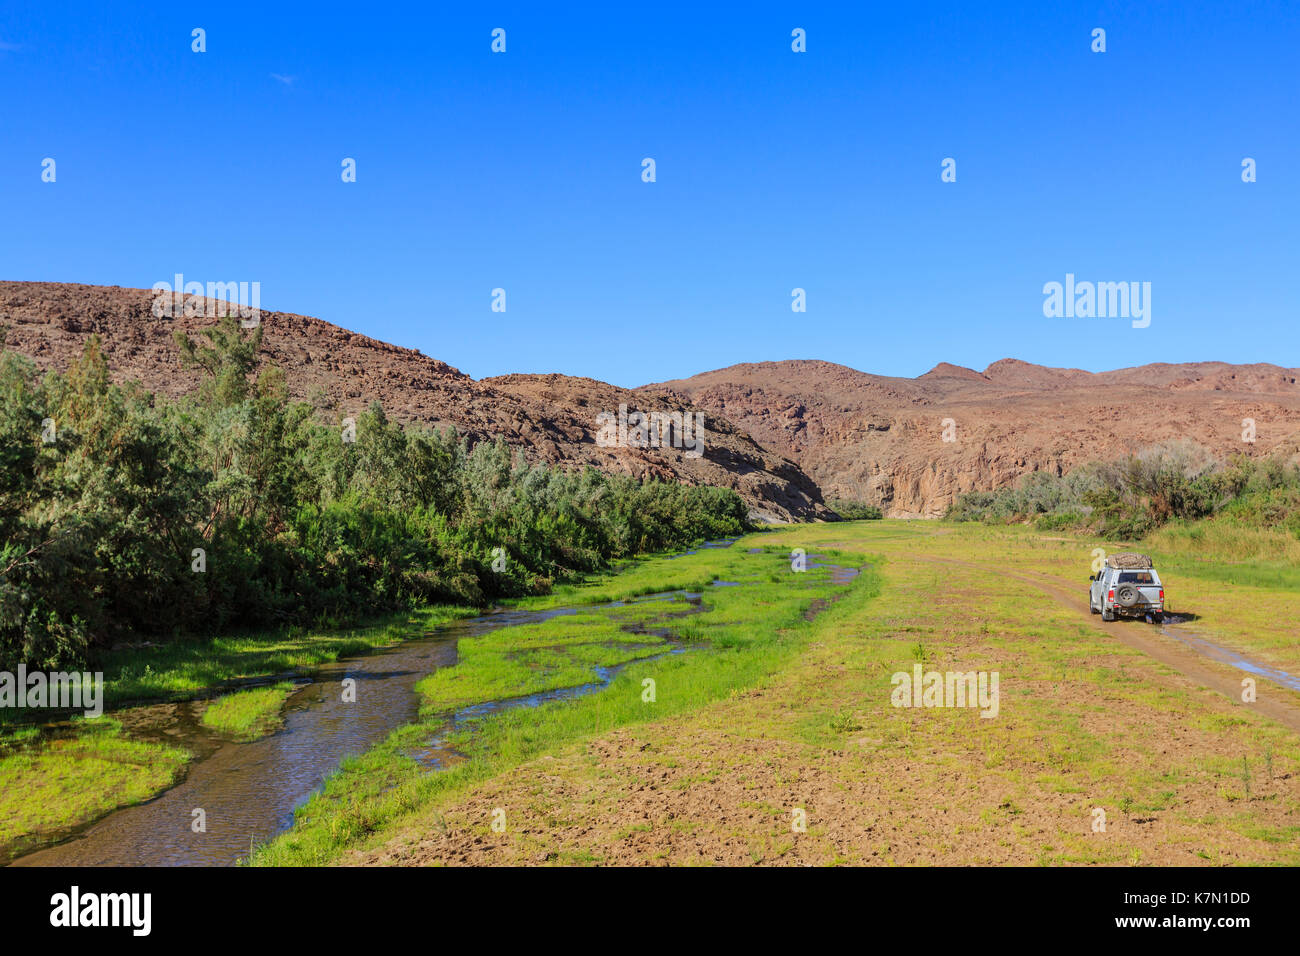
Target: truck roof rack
1129,561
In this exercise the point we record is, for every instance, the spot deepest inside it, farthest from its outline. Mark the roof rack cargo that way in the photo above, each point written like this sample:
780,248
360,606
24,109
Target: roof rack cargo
1129,560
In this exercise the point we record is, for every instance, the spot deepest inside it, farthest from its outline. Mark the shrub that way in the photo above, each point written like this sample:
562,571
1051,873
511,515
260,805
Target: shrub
101,527
1133,497
854,510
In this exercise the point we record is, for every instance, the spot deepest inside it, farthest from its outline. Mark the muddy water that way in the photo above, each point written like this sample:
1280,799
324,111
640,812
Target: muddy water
248,791
839,575
1227,656
438,754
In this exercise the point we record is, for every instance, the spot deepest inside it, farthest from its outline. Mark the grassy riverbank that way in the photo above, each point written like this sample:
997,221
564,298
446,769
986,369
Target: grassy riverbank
248,714
748,631
188,669
777,699
75,776
776,716
53,781
49,786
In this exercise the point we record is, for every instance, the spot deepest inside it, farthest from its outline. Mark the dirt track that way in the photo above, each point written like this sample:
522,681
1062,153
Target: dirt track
1142,637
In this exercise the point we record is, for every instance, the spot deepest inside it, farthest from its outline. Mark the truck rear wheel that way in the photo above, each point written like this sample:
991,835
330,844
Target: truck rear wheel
1127,595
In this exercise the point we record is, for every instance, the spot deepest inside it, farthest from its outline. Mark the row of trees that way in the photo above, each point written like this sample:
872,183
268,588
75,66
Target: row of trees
1131,497
123,513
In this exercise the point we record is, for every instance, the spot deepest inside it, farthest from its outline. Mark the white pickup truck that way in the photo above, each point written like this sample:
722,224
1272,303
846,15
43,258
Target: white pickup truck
1128,586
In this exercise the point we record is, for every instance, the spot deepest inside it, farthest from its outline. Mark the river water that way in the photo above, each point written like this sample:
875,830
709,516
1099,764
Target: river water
248,791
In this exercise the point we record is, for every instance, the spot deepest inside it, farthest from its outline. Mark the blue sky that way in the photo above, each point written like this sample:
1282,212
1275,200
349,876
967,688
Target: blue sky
775,170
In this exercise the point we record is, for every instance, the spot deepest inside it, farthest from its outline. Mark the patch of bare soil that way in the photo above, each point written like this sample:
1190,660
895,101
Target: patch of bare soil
707,796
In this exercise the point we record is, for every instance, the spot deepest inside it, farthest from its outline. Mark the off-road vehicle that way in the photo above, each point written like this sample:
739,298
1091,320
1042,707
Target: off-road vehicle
1128,586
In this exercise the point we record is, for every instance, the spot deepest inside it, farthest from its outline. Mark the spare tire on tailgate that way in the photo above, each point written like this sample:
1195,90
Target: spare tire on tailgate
1127,595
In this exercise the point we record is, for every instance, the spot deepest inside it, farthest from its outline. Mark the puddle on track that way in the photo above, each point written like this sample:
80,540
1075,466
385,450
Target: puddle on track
1226,655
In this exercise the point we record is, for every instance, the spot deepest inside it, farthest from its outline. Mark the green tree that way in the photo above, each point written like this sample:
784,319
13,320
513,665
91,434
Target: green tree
228,359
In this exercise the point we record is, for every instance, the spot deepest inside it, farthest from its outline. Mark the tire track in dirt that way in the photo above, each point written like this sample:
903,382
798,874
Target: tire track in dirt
1186,662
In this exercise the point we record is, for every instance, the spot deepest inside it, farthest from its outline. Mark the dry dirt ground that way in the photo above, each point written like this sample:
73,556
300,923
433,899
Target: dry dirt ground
1092,718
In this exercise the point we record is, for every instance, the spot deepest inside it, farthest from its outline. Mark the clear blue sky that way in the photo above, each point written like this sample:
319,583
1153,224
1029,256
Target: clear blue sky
775,170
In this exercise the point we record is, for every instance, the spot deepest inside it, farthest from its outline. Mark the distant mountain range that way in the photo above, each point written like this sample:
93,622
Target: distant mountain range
881,440
782,434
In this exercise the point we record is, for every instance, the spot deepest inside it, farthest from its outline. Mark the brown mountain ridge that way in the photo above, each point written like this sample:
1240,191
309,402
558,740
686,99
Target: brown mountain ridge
880,439
551,418
781,434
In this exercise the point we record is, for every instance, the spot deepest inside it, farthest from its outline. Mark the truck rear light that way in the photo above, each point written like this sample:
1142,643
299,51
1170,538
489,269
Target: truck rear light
1162,595
1110,595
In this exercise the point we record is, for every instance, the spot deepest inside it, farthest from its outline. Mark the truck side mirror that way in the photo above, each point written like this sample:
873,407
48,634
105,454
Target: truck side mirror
1092,577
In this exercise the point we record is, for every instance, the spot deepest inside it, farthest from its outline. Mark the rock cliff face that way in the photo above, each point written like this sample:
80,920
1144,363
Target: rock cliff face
552,418
882,440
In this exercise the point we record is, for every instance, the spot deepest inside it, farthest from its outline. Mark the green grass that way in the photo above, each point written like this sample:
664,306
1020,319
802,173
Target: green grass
186,669
1085,721
1242,597
50,785
648,575
75,784
1075,728
750,633
248,714
563,651
1226,552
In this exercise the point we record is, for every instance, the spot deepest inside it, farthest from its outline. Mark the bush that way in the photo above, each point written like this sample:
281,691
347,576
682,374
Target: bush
122,513
1131,498
854,510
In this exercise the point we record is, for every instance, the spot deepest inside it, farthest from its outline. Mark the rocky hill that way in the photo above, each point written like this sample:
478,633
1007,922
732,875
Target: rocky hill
781,433
552,418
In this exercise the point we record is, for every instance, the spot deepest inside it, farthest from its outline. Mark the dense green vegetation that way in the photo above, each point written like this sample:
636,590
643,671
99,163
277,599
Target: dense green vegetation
1175,482
124,513
47,785
854,510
